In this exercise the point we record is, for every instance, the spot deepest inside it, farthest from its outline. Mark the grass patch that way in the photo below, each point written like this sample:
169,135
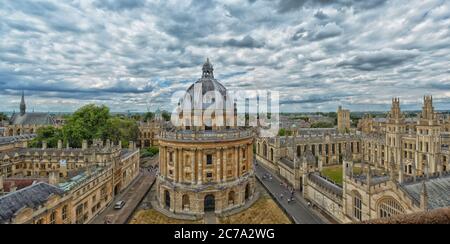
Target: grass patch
334,173
264,211
152,216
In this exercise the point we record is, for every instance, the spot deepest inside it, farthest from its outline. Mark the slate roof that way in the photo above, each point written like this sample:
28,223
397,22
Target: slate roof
12,139
31,197
32,119
438,191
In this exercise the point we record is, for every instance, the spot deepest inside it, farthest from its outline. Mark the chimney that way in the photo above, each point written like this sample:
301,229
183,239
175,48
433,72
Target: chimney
1,184
53,178
44,145
108,143
424,197
120,144
12,187
60,144
84,145
132,146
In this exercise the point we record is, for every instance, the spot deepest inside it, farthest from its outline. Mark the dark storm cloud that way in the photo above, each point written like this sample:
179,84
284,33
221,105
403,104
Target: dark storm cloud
135,54
293,5
376,60
246,42
119,5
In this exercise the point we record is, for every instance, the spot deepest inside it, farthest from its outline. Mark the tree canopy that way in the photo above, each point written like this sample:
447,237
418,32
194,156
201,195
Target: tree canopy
3,117
88,123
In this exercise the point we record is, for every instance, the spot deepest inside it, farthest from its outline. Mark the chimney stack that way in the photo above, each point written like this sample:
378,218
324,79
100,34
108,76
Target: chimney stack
53,178
132,146
1,184
60,144
84,145
44,145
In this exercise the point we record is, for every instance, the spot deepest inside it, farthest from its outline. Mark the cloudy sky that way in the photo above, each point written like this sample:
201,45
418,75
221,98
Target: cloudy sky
133,54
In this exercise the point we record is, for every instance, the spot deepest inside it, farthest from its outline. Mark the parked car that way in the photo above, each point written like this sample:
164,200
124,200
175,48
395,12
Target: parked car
119,205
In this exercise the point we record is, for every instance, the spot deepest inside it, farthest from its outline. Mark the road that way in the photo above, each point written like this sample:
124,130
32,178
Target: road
298,209
132,197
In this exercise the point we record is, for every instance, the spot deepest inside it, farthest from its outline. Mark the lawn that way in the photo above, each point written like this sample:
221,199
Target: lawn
335,173
264,211
152,216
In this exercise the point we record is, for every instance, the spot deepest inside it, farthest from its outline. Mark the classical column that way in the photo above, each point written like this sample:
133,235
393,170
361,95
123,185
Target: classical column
175,163
218,162
250,157
225,164
181,165
236,160
200,167
193,176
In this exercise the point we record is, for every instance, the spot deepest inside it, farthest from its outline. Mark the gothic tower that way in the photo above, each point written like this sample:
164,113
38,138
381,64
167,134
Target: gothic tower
394,129
428,142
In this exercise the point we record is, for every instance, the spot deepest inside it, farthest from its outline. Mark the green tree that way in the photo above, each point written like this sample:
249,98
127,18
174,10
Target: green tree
121,129
49,134
3,117
149,116
322,125
87,123
150,152
282,132
166,115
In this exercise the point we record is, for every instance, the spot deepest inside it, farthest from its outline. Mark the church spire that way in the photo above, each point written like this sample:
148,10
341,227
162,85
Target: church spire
23,106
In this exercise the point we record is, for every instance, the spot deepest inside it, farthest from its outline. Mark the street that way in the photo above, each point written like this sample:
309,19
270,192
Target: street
132,197
298,209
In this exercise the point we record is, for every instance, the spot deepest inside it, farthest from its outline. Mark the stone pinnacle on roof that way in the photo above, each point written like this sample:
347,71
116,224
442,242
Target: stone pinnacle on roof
23,106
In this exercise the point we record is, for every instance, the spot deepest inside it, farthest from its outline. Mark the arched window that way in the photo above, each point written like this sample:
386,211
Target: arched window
299,151
231,198
357,206
186,203
271,154
265,150
389,207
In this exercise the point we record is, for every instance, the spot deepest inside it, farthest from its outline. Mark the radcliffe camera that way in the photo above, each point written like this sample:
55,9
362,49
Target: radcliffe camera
230,119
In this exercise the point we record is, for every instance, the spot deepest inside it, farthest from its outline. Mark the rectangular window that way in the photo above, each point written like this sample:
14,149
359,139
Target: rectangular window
209,159
64,213
209,175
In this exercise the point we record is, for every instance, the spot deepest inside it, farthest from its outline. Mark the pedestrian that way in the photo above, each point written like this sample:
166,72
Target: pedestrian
281,196
309,204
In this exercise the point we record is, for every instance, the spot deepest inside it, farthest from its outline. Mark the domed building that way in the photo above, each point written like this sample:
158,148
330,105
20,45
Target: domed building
207,166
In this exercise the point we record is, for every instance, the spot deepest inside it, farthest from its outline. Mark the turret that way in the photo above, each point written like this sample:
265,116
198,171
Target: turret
424,197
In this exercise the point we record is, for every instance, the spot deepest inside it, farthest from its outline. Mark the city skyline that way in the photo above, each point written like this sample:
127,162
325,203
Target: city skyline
132,55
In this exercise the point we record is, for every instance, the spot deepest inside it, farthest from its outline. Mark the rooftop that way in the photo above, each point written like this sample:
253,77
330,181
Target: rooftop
30,197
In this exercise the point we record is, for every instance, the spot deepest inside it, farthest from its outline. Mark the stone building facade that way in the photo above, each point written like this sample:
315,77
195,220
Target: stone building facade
403,162
70,185
208,167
